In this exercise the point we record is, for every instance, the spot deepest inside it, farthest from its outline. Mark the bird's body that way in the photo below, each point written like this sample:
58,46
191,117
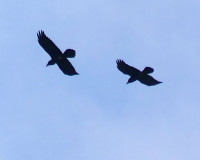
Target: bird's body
57,57
136,74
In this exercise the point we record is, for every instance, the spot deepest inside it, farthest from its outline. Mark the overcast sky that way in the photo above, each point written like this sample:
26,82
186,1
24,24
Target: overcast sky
46,115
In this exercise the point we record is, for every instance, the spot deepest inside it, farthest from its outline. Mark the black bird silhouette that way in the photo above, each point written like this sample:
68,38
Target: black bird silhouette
56,55
136,74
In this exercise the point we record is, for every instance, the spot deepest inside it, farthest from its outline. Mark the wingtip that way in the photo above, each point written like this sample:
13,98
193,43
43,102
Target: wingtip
40,32
119,61
76,73
158,83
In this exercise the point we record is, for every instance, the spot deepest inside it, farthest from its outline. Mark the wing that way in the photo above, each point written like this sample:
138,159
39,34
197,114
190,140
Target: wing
148,70
69,53
148,80
66,67
48,45
126,69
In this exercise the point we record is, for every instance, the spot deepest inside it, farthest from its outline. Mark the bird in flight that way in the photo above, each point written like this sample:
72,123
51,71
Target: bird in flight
136,74
57,57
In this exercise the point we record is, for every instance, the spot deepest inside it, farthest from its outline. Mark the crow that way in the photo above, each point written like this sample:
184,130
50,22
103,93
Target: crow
136,74
57,57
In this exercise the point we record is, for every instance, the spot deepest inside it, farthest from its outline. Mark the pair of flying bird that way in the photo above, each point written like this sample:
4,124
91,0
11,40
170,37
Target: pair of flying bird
59,58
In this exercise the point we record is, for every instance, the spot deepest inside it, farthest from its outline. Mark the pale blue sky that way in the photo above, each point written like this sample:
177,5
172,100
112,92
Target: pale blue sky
46,115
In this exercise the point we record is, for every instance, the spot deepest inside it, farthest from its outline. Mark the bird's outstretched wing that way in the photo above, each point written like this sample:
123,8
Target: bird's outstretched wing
66,67
69,53
148,70
148,80
126,69
48,45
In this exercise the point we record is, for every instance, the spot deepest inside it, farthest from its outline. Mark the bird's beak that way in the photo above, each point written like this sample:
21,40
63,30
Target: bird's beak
127,83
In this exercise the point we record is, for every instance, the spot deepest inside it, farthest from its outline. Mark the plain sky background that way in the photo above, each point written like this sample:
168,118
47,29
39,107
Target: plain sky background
46,115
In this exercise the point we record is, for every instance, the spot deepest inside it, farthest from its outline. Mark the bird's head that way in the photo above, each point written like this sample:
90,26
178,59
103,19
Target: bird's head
130,80
51,62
